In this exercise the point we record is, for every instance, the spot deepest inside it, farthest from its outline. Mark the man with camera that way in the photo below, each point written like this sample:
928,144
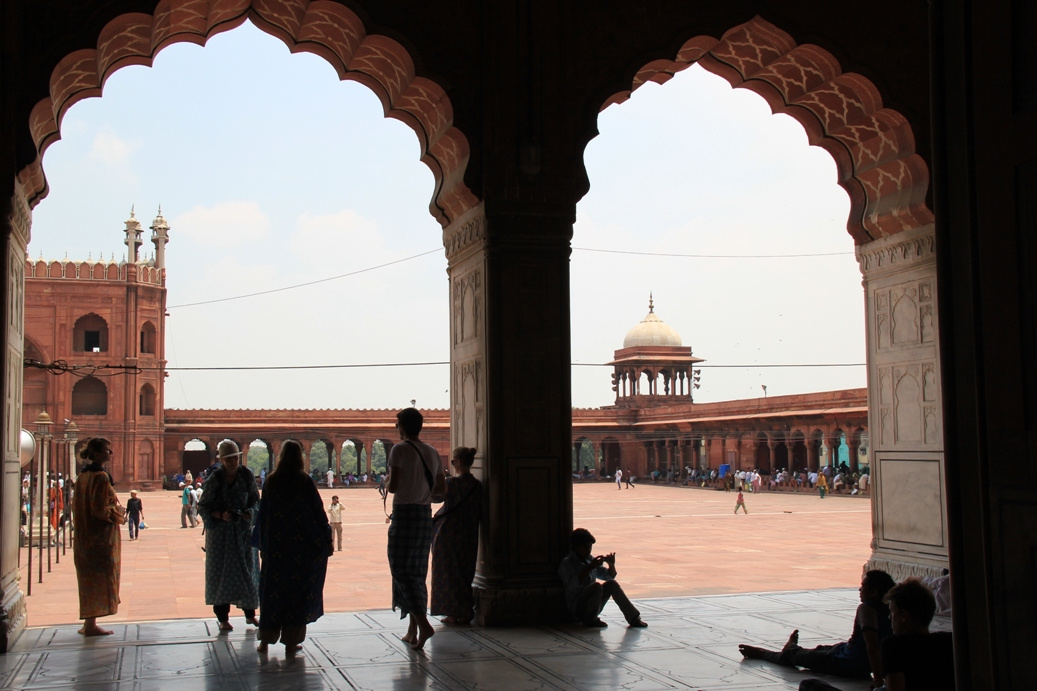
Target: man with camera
584,595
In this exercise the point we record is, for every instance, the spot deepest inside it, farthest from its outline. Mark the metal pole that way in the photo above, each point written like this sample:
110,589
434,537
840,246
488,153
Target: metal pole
50,538
28,518
41,470
72,431
43,435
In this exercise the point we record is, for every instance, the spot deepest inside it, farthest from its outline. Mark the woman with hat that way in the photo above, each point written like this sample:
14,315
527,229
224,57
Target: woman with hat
97,547
228,507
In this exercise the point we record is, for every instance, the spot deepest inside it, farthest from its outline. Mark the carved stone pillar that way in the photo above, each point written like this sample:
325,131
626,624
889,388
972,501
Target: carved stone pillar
15,240
904,405
510,399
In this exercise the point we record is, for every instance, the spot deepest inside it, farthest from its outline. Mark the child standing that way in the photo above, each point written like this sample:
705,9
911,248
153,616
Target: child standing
740,502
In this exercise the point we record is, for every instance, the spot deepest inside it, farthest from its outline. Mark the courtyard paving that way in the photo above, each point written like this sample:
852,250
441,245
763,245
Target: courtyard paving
704,578
670,541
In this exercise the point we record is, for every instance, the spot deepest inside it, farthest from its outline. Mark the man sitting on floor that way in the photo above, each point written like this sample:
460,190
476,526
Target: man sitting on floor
584,595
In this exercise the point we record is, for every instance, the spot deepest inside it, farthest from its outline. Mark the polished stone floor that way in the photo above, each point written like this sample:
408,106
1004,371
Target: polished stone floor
690,643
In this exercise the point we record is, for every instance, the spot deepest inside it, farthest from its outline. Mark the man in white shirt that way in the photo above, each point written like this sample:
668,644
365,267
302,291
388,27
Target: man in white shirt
335,518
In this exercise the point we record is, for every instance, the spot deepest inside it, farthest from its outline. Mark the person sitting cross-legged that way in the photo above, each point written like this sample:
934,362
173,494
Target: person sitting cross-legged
584,595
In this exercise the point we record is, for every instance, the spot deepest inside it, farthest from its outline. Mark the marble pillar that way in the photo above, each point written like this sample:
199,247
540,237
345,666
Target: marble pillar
905,415
510,399
16,238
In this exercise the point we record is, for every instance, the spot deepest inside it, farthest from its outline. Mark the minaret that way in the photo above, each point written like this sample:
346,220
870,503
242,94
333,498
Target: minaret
160,236
133,237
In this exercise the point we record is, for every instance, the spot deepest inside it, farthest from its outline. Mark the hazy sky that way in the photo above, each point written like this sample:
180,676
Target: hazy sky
272,173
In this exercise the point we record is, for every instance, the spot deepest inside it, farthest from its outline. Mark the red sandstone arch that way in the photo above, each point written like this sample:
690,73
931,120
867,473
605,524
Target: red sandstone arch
324,28
873,147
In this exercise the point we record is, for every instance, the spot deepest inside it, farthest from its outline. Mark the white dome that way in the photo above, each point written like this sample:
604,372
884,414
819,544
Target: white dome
652,331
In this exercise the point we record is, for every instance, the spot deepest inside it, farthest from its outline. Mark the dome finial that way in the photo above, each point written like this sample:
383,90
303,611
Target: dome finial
651,303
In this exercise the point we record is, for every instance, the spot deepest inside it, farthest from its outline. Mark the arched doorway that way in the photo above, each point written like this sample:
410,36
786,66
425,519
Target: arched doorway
500,398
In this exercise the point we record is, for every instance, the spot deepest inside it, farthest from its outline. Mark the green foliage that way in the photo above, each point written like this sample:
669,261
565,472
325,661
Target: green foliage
584,456
349,459
378,460
319,457
258,457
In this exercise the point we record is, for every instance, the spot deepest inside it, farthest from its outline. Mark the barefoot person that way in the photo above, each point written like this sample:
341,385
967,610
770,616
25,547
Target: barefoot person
858,658
415,474
98,547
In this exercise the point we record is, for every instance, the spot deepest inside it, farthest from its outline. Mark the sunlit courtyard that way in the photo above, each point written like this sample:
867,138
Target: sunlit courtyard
670,541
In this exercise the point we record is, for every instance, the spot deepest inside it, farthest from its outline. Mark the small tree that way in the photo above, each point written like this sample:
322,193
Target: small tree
319,457
258,459
378,460
349,458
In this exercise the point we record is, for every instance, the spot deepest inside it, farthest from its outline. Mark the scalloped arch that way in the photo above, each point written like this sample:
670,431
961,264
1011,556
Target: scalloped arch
873,147
324,28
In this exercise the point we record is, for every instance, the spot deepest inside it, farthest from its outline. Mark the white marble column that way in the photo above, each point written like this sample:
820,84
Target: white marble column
904,405
12,599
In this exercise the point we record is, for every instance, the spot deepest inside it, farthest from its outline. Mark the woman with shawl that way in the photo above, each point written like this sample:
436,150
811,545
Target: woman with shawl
295,542
97,550
455,542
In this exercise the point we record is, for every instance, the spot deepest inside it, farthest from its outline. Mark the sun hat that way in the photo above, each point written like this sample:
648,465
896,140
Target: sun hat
227,449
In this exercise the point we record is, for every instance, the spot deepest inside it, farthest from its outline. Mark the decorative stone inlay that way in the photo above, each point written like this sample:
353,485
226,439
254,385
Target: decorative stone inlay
902,570
20,218
873,146
327,29
468,403
468,307
905,250
464,235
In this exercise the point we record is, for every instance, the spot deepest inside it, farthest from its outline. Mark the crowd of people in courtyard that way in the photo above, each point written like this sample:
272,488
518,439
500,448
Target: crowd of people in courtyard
828,479
266,554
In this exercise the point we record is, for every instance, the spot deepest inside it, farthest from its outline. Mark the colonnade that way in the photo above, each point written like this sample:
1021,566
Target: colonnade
766,450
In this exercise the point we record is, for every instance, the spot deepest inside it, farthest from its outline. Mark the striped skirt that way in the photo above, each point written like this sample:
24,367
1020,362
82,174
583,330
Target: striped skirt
410,537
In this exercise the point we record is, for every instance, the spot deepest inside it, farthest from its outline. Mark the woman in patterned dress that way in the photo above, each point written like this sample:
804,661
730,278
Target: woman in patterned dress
455,542
228,507
97,549
295,542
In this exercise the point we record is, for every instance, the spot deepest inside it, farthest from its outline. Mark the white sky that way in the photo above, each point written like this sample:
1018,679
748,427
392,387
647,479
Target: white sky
272,173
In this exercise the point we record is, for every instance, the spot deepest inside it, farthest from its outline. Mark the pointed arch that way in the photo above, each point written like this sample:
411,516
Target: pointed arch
842,112
324,28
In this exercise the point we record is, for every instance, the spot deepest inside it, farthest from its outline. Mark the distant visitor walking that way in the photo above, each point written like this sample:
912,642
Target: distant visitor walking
740,502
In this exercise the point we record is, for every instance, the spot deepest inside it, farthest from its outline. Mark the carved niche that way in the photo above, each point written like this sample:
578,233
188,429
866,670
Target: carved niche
905,316
467,306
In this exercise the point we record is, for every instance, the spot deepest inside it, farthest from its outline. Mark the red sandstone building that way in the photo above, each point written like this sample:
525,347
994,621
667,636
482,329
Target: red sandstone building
102,325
